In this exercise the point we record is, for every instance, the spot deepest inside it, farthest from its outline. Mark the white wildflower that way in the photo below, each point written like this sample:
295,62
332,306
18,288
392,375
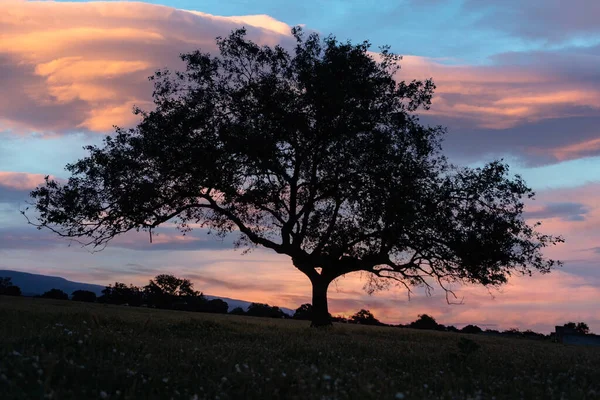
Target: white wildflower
16,353
326,377
400,395
103,394
165,380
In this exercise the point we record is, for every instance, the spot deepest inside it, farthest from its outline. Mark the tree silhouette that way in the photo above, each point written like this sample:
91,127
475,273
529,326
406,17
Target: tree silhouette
471,329
7,288
425,322
165,290
238,311
580,327
316,153
83,295
304,312
364,317
120,294
55,294
264,310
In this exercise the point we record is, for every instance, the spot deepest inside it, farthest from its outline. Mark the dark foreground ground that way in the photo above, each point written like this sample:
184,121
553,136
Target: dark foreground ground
69,350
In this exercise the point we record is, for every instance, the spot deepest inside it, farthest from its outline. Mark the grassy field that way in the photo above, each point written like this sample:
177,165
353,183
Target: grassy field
68,350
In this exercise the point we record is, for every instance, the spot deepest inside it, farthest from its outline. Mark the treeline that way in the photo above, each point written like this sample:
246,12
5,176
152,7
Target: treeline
169,292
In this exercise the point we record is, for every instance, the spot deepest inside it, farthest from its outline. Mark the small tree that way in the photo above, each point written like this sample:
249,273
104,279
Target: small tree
165,290
304,312
317,154
5,282
217,306
120,294
7,288
55,294
238,311
580,327
83,295
424,322
264,310
364,317
471,329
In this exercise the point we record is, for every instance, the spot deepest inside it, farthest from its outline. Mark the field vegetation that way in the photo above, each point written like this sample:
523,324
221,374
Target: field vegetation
75,350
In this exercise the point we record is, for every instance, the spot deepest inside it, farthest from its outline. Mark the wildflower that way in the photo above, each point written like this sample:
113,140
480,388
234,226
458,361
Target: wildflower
283,374
237,368
165,380
326,377
400,395
103,394
194,397
16,353
80,341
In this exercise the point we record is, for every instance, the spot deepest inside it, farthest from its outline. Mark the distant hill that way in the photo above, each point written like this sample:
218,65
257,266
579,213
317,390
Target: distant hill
36,284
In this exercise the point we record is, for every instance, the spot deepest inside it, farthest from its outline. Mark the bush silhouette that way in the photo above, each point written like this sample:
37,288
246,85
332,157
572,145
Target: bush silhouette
304,312
55,294
7,288
425,322
471,329
364,317
238,311
83,295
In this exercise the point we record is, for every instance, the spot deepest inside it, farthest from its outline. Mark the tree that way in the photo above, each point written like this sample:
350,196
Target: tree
83,295
121,294
264,310
55,294
425,322
316,153
364,317
580,327
304,312
165,290
238,311
471,329
217,306
5,282
7,288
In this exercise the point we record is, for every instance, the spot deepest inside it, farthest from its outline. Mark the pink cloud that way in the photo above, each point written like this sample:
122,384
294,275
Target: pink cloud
20,180
503,96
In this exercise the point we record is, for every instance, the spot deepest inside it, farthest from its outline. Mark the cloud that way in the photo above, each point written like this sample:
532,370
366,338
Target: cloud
564,211
82,66
92,65
541,107
15,186
552,21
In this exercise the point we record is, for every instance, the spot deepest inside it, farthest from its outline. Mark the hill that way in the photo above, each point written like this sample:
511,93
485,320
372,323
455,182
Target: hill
37,284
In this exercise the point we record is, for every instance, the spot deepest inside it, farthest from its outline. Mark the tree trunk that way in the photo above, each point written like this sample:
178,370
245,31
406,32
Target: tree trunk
320,311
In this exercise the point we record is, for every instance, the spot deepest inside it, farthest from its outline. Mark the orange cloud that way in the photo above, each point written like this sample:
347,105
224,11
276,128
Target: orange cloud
86,64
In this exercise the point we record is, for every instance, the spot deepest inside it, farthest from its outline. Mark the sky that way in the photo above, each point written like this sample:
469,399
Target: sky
518,80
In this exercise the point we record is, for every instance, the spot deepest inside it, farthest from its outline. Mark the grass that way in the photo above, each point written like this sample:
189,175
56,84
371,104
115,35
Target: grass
68,350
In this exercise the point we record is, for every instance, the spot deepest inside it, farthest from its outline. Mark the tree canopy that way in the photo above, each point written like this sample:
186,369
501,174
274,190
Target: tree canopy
315,152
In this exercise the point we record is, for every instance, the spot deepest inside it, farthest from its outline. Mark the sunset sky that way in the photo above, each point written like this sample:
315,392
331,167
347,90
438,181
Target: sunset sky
516,79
